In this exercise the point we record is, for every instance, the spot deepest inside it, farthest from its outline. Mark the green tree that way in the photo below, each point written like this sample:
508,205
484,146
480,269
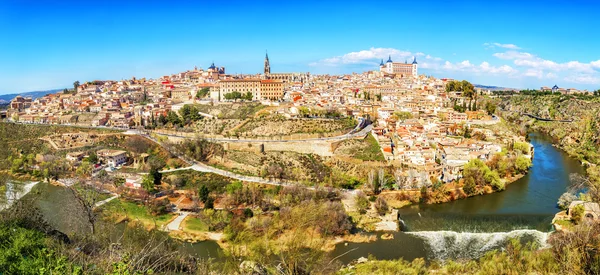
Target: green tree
522,164
403,115
148,183
173,118
469,187
202,93
210,203
577,213
490,107
362,203
84,169
203,193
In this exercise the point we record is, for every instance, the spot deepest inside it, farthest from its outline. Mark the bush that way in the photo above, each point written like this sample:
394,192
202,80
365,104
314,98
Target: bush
522,146
577,213
565,200
522,164
362,203
381,206
469,187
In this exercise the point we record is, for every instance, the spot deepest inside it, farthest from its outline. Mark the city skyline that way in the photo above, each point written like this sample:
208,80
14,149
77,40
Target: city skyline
508,44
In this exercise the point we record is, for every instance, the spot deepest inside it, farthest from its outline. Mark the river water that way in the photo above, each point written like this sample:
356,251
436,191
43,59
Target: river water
470,227
461,229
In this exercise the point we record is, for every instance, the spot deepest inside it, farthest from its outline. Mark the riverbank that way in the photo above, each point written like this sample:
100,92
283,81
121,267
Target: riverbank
405,198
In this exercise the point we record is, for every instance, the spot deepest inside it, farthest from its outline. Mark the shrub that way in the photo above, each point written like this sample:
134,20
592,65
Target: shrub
381,206
522,164
577,213
362,203
565,200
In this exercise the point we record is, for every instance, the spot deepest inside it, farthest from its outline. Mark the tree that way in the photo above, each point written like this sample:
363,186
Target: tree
148,183
362,202
75,85
403,115
235,95
577,213
490,108
381,206
202,92
203,193
469,187
85,169
210,203
522,164
189,113
565,200
173,118
87,198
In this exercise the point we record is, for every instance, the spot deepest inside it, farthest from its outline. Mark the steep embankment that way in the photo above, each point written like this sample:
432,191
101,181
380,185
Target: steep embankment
580,138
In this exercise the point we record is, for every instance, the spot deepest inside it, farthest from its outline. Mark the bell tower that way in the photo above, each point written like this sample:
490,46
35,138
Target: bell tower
267,65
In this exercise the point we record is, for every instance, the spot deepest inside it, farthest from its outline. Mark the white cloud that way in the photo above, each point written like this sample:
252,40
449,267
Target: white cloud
583,79
532,61
510,55
370,56
505,46
534,73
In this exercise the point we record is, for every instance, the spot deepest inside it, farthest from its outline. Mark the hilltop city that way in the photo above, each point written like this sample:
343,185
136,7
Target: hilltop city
204,155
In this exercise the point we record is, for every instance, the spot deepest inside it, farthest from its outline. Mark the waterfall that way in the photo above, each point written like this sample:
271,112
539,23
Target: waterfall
442,245
14,192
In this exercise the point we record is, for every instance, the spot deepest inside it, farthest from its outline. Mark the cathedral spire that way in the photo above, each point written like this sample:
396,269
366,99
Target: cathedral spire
267,65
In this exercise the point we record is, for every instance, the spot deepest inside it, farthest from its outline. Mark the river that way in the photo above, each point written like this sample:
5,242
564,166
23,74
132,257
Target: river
461,229
470,227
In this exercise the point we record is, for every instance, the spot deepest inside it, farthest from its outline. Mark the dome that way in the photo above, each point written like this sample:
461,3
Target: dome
212,66
389,59
415,60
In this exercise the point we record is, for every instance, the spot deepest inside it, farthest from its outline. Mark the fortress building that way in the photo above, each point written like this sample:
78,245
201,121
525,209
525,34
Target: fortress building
399,69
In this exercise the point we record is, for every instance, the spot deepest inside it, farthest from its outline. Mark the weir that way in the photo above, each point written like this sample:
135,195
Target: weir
443,245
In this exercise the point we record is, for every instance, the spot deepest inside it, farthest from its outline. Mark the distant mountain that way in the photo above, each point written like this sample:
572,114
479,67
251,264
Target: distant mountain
493,88
4,99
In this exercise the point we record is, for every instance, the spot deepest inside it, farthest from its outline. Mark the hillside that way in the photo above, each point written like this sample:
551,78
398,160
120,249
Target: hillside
580,138
35,94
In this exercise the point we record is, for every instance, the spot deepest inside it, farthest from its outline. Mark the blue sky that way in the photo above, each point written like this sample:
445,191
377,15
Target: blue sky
520,44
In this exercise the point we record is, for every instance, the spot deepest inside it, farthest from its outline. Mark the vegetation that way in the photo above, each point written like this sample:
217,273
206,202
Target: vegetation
367,149
202,93
237,95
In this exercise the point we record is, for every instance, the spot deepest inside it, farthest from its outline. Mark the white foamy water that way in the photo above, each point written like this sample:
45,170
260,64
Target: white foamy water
444,245
14,193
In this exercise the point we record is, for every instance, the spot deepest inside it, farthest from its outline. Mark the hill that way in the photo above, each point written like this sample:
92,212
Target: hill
35,94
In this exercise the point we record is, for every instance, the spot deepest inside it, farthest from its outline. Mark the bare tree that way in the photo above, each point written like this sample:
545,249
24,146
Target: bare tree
87,197
401,180
381,178
580,182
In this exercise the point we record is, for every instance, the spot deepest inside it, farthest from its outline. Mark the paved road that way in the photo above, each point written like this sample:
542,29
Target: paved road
176,223
100,203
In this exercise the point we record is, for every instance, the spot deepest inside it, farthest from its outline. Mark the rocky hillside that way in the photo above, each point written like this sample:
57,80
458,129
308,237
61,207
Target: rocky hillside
580,138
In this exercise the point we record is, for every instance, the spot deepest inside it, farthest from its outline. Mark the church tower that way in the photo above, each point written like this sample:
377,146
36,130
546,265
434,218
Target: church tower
267,65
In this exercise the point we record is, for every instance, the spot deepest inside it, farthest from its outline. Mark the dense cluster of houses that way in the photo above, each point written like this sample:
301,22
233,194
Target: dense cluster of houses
422,137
